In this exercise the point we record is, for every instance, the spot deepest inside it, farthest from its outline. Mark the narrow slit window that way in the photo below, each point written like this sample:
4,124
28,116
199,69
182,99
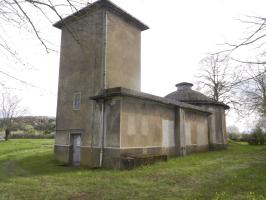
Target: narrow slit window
76,101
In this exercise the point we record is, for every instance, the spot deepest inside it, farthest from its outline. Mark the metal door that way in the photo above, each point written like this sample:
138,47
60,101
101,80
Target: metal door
76,150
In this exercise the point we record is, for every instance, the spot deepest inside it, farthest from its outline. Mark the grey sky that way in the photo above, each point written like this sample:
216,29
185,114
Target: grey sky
180,34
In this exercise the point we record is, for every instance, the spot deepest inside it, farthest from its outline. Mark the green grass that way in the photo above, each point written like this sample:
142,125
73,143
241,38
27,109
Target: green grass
28,171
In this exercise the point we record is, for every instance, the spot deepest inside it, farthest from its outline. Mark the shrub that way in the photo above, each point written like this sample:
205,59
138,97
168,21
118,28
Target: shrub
257,137
29,129
245,137
31,136
234,136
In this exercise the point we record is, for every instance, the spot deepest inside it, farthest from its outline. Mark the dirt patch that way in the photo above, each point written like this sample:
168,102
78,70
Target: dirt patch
80,196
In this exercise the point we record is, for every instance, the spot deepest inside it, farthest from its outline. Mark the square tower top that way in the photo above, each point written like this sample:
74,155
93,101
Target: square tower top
102,4
100,48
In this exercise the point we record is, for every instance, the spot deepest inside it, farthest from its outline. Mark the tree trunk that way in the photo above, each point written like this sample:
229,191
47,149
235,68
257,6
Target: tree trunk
7,132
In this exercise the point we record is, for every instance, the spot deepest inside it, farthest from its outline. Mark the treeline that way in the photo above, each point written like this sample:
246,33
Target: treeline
30,125
256,137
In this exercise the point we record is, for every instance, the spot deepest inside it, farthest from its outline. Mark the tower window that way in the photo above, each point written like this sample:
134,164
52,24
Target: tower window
76,101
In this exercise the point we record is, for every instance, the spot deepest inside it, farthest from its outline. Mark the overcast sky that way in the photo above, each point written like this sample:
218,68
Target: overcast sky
181,33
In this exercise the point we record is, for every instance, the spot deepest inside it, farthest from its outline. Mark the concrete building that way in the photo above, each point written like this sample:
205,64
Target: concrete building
103,119
216,121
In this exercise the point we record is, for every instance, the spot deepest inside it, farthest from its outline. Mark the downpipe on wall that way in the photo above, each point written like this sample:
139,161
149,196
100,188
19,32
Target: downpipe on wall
102,135
104,85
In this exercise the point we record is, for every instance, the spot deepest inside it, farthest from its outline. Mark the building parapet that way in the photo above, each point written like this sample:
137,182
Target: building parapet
120,91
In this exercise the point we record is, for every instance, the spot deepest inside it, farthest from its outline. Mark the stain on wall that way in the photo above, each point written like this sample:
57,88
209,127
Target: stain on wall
168,131
196,128
123,53
112,119
142,123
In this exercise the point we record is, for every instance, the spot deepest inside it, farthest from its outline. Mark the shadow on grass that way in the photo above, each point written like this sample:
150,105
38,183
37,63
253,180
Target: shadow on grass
35,165
43,163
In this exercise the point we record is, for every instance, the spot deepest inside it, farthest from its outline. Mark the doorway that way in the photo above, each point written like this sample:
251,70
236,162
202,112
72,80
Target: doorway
76,149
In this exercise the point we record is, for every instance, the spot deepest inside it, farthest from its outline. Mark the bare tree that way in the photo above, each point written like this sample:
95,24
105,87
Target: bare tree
218,78
232,129
262,123
254,41
254,89
26,14
9,109
251,87
243,87
18,13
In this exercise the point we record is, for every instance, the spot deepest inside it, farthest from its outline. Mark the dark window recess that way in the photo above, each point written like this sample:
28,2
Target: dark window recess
76,101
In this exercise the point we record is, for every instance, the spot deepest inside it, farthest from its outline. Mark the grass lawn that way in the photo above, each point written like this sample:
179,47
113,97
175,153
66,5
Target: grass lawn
28,171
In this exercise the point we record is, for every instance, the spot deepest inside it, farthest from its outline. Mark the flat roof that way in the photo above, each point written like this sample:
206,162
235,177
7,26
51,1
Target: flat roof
99,4
120,91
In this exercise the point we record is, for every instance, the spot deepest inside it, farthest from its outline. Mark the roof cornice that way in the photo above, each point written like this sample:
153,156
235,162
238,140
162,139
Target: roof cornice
102,4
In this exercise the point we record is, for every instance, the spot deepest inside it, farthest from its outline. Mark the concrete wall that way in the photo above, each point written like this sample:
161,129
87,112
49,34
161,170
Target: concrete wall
112,123
196,131
146,124
142,127
137,127
98,50
80,71
123,53
62,146
217,126
101,50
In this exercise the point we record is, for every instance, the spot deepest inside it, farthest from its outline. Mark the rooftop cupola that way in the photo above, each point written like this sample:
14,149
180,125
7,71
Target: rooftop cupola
185,93
184,86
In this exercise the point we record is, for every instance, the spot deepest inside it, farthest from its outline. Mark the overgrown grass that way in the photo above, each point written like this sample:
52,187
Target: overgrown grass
28,171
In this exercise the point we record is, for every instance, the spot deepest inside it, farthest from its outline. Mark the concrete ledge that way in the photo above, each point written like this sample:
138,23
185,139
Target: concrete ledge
62,153
131,162
120,91
115,158
133,157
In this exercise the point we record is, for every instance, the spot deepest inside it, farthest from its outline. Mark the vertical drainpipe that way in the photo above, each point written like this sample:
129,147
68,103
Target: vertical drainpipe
104,83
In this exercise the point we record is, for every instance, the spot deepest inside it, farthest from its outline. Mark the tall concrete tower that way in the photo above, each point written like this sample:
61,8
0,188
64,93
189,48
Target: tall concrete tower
100,49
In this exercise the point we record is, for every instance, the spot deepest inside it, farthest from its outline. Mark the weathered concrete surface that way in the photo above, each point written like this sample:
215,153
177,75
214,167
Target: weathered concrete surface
62,153
90,156
196,129
122,53
62,146
100,48
180,132
121,91
217,127
139,124
146,124
79,73
97,5
216,121
112,122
